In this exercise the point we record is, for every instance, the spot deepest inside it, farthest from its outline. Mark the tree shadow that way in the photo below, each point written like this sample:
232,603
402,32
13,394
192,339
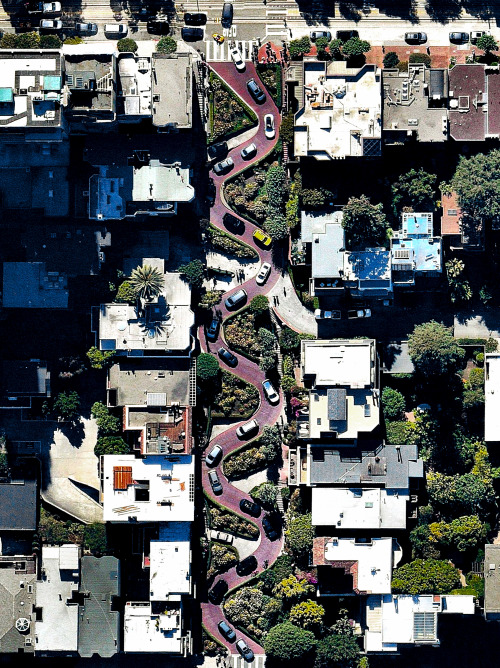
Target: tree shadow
443,11
74,432
351,11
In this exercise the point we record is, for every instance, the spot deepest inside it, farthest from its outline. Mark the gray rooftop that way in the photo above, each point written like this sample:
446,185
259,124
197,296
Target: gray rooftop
17,598
29,285
396,358
28,378
492,582
172,85
99,626
391,466
18,505
90,80
324,231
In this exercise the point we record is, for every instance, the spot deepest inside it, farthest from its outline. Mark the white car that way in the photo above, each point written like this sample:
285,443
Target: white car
271,395
269,130
237,58
319,314
248,151
263,274
51,24
51,8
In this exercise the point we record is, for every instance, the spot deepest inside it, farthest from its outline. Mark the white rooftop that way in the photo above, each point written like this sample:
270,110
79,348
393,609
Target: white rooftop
357,508
135,81
492,397
374,562
156,489
144,631
170,570
339,362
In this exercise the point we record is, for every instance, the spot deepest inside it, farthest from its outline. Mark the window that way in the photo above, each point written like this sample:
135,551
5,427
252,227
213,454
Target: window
424,625
318,421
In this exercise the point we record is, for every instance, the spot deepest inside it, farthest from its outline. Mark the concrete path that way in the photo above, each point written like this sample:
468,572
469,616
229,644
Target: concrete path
478,326
247,484
290,309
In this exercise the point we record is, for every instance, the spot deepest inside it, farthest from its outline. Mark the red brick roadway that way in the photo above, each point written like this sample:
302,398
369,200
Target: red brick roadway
266,414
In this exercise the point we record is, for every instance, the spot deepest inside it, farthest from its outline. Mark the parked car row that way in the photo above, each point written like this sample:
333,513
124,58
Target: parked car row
228,633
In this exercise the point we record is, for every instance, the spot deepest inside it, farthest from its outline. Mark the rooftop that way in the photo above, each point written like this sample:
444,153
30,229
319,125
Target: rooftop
369,270
147,628
134,76
324,231
450,219
339,362
30,285
493,85
19,505
170,569
343,412
172,85
89,85
20,381
492,397
414,249
468,103
17,600
492,582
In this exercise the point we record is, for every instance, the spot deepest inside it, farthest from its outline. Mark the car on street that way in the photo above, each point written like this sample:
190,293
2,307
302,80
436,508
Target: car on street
87,28
262,238
237,58
250,507
316,34
213,457
212,331
115,30
233,223
359,313
195,19
222,537
227,15
245,430
216,594
269,529
51,8
51,24
236,299
217,151
459,37
211,192
157,27
256,91
248,151
224,166
271,395
263,274
215,482
319,314
346,35
269,129
244,650
415,37
189,34
229,358
226,631
247,565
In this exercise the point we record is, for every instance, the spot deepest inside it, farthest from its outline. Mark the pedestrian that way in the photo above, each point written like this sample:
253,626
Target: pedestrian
277,301
284,291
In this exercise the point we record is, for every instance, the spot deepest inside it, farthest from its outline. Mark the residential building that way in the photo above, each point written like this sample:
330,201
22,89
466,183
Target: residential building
394,620
21,382
415,104
89,89
18,502
340,114
158,328
56,622
355,566
172,90
492,582
30,285
98,618
17,604
323,237
460,230
492,397
133,101
415,250
368,273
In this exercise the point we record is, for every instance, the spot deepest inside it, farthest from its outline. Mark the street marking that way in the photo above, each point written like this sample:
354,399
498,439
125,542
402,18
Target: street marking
276,30
219,53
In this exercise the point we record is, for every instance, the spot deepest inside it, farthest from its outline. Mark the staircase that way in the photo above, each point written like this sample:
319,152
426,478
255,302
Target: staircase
374,614
105,83
277,327
279,499
200,89
192,382
285,154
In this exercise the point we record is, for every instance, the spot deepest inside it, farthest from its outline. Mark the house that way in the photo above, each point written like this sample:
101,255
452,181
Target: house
18,581
18,502
158,328
457,228
492,582
30,285
172,90
56,624
394,620
133,101
415,104
368,273
492,397
340,112
415,250
89,88
323,237
98,618
23,381
355,566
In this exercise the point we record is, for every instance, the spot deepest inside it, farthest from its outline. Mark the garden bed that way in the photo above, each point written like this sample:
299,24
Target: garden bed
241,332
236,399
246,460
222,519
229,115
222,558
270,75
221,241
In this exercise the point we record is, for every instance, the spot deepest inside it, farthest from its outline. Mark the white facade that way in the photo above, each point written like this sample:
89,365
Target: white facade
170,570
357,508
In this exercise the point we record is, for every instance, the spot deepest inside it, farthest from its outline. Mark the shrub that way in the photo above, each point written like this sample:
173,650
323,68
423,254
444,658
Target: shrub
225,520
299,534
429,576
402,66
400,433
276,226
281,570
266,494
127,45
287,382
126,294
298,47
286,128
166,45
244,462
289,339
50,42
73,40
54,531
240,333
226,243
259,304
237,398
307,614
193,272
420,58
222,559
391,59
251,609
287,643
9,41
207,367
106,423
393,403
111,445
95,539
67,405
100,359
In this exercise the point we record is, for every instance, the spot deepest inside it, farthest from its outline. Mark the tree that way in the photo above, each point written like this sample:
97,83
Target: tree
336,49
299,534
259,304
292,589
487,43
431,576
94,538
147,282
106,423
464,494
210,299
460,289
464,533
266,494
249,607
289,339
28,40
364,223
286,128
393,403
420,58
193,272
166,45
67,405
270,441
298,47
50,42
126,294
316,198
433,350
111,445
207,367
127,45
339,650
286,642
355,47
415,189
100,359
391,59
276,189
477,184
321,46
307,615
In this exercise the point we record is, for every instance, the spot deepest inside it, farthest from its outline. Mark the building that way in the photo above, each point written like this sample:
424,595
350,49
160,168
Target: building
21,382
415,104
155,329
30,285
394,620
56,624
17,604
492,582
172,90
355,566
340,112
460,230
492,397
368,273
98,619
415,250
18,502
133,101
323,237
89,88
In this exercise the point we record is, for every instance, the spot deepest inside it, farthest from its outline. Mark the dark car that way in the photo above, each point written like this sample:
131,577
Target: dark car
248,565
196,19
86,28
459,37
227,15
256,91
250,507
244,650
226,631
215,482
234,224
415,37
269,529
211,192
216,594
345,35
191,34
323,34
212,331
229,358
156,27
217,151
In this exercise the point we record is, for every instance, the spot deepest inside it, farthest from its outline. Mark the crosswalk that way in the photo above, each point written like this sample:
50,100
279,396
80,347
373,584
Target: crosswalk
220,52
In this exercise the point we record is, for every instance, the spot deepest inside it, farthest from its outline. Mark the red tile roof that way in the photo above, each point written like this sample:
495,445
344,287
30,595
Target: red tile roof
450,220
467,84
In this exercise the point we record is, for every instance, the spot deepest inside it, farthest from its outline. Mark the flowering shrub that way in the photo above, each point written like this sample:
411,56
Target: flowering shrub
225,520
236,399
222,559
244,463
228,245
251,609
230,115
240,333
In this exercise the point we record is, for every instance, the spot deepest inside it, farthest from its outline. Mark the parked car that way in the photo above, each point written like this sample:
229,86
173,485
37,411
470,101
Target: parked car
51,24
216,594
87,28
319,314
215,482
316,34
211,192
212,331
192,34
415,37
256,91
229,358
269,129
224,166
195,19
269,529
246,429
244,650
238,61
236,299
262,238
226,631
248,151
222,537
213,457
247,565
263,274
359,313
158,27
459,37
233,223
345,35
250,507
217,151
227,15
51,8
271,395
116,30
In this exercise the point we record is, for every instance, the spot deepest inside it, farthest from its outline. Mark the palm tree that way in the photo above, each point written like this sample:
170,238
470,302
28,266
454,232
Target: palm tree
147,282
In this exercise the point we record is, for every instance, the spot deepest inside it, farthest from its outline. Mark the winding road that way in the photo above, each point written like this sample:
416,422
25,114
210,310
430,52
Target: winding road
266,414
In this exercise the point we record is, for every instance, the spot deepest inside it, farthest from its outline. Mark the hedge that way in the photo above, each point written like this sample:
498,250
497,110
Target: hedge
242,520
236,348
225,242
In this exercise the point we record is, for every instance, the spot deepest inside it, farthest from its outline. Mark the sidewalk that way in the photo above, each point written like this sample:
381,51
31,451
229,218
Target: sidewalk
290,309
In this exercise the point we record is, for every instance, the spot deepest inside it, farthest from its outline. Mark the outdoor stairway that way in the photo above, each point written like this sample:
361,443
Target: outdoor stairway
279,499
295,73
285,154
105,83
374,614
192,382
200,89
277,326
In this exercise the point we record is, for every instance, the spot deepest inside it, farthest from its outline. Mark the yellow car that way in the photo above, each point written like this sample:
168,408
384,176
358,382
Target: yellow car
262,238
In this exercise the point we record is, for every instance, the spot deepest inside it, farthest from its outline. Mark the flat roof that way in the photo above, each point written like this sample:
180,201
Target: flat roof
339,362
371,267
19,505
357,411
492,581
133,378
359,508
492,397
450,219
154,632
162,183
170,569
26,378
493,84
30,285
324,231
172,77
467,102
